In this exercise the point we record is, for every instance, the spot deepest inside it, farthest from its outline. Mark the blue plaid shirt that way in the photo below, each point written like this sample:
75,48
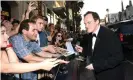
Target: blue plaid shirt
23,48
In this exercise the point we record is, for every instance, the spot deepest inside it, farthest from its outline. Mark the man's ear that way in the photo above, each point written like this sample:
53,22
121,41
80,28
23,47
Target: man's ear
24,31
97,21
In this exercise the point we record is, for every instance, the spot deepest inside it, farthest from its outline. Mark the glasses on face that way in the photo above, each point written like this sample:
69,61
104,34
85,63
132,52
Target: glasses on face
89,22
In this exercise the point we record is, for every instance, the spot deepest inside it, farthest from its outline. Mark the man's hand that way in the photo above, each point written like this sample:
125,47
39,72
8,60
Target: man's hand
79,48
49,38
90,67
48,64
11,20
60,50
49,48
31,7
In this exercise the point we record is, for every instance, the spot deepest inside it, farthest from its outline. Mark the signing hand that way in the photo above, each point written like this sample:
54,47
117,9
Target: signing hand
79,48
90,67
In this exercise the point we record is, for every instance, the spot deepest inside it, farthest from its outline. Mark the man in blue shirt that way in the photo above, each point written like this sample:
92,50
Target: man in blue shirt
26,48
44,36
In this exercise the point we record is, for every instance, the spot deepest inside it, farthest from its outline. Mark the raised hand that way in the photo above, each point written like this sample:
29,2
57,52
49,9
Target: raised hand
23,17
49,38
11,20
31,6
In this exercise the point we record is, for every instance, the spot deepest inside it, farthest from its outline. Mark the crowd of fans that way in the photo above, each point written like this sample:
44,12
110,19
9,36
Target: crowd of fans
30,44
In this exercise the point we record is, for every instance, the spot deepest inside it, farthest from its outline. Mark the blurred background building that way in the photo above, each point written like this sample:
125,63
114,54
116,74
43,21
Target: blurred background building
64,13
122,15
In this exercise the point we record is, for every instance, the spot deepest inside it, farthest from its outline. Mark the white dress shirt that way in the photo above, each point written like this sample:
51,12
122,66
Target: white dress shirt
94,38
38,39
90,67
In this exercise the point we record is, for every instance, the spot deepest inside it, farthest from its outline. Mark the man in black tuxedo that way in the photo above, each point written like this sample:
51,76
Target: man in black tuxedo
106,56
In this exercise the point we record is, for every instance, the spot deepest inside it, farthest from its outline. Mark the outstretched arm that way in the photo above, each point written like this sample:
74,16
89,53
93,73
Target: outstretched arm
47,65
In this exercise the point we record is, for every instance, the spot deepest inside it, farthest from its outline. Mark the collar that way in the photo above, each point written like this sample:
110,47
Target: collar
96,32
38,38
23,38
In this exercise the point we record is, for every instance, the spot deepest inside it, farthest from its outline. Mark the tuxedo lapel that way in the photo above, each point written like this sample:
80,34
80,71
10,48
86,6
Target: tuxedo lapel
98,38
97,41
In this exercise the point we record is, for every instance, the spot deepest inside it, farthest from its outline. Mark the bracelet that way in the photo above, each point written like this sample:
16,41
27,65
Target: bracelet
9,45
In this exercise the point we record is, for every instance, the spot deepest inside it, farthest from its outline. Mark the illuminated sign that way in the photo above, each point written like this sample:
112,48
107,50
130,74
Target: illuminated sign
4,13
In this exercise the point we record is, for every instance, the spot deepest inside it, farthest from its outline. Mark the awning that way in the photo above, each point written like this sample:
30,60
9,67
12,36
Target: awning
60,11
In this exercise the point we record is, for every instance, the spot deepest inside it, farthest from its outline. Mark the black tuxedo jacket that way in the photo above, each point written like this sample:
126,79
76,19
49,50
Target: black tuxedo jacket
107,55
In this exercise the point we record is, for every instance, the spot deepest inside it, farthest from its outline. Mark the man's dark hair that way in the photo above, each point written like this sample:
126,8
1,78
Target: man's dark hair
25,25
34,18
94,14
15,21
50,24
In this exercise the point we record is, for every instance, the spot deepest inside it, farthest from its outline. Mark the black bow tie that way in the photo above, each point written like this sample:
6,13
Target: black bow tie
92,34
